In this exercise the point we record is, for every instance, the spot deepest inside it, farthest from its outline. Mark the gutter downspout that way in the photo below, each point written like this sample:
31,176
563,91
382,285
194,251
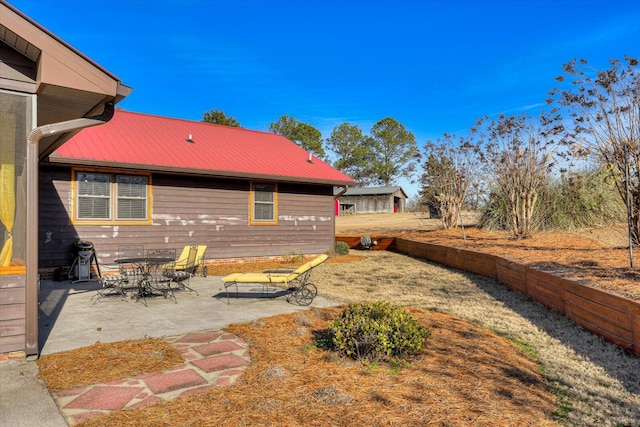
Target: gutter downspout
33,283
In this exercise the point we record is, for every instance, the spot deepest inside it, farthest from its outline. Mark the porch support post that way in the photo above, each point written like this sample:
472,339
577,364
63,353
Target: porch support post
32,349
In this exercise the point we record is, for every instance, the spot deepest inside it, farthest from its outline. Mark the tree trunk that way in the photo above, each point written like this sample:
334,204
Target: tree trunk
449,213
635,216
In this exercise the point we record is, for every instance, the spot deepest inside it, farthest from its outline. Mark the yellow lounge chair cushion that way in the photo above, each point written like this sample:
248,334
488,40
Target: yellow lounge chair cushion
274,277
181,261
259,278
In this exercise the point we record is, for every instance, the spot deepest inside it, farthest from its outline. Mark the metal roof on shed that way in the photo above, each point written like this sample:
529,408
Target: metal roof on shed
154,143
373,191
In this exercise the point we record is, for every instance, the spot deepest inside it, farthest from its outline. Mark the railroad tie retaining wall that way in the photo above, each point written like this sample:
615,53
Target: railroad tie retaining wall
379,243
613,317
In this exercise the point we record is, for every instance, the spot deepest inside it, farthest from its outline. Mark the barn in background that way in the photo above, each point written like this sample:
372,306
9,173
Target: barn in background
372,200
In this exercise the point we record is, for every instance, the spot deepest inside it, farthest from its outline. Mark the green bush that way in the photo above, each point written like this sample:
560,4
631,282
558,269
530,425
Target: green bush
342,248
584,199
377,331
575,200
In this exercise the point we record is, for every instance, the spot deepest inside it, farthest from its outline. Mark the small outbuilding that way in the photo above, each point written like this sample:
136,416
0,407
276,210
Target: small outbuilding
362,200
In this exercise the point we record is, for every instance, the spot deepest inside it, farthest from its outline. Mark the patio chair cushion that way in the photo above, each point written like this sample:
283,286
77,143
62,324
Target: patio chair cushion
113,278
259,278
274,277
183,262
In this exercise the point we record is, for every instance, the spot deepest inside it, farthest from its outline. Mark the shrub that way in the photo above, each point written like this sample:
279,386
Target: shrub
292,257
576,200
377,331
584,199
342,248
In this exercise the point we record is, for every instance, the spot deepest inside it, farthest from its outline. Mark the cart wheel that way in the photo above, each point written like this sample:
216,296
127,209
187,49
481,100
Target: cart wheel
306,294
204,271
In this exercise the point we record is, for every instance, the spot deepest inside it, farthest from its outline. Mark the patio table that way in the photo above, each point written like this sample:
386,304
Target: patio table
142,269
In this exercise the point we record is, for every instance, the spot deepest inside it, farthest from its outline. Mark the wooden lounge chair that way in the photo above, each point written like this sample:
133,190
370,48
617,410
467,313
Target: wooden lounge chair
296,280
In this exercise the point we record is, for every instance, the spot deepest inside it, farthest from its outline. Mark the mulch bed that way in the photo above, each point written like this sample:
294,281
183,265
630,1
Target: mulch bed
565,254
224,269
466,376
101,363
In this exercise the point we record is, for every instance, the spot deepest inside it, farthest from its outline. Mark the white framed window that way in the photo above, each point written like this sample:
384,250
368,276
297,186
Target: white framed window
101,197
264,203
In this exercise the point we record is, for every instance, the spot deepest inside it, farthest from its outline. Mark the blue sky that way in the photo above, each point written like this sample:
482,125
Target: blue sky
435,66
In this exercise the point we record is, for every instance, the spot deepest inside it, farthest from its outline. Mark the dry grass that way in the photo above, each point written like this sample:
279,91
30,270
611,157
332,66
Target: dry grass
598,257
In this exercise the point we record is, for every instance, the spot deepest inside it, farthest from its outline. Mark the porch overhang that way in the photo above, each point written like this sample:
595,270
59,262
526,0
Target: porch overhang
68,84
69,88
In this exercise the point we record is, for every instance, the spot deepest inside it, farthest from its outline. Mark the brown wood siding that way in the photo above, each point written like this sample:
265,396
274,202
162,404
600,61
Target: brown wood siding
12,313
190,210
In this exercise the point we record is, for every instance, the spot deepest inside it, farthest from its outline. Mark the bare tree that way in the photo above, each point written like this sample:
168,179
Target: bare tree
518,159
605,108
450,169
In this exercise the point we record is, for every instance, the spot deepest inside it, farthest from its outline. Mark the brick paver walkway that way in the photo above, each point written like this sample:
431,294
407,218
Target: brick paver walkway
212,359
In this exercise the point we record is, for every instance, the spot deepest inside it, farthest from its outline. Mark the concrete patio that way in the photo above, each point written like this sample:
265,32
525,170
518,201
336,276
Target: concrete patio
68,319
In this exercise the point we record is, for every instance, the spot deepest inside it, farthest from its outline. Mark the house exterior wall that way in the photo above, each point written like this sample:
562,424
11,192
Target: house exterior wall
15,120
42,81
190,210
12,312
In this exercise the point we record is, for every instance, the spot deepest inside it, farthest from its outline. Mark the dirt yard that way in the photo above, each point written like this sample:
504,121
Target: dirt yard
597,256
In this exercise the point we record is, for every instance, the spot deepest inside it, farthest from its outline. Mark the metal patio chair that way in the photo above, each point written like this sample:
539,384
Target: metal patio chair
184,268
158,275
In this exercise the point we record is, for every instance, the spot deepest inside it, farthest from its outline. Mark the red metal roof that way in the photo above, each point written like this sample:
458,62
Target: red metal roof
143,141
